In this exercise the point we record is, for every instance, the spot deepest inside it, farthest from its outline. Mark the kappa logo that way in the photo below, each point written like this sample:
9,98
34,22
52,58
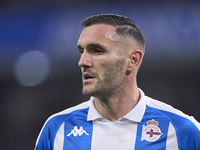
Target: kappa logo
77,132
151,132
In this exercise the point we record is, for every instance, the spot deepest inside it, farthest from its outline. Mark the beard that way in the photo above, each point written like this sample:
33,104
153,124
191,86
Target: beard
110,83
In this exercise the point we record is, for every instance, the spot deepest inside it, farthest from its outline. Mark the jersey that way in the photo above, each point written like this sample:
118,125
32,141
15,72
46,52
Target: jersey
151,124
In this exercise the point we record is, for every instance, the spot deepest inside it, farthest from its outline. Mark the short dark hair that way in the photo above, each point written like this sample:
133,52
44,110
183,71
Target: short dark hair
124,26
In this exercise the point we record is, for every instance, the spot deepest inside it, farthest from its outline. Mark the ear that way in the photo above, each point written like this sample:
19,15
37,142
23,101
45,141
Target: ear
135,59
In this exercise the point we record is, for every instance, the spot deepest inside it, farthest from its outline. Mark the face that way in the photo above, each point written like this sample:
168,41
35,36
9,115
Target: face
102,62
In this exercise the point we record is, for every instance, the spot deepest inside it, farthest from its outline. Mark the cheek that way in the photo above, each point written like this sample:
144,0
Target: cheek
102,70
109,65
114,70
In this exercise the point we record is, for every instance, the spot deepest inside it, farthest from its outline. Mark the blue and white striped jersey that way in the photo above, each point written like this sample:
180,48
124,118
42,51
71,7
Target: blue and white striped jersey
151,124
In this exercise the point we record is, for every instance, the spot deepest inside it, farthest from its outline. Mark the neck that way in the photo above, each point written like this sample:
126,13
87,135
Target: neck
114,108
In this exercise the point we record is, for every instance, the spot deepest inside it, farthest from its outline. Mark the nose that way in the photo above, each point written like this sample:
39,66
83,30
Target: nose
85,61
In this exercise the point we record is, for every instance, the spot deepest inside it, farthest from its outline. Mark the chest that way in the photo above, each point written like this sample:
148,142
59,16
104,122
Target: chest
98,135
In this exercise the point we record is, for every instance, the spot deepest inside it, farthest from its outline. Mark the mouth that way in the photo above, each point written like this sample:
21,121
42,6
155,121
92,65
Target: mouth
87,76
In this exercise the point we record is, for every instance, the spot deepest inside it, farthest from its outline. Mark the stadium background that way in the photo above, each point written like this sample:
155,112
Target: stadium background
39,74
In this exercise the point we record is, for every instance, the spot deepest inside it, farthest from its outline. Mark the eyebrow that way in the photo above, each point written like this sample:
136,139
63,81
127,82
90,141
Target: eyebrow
91,45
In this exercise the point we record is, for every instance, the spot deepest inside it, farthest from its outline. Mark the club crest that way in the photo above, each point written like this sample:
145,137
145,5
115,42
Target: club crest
151,132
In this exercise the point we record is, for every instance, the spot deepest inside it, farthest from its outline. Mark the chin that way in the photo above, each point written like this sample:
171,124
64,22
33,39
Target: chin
90,91
87,91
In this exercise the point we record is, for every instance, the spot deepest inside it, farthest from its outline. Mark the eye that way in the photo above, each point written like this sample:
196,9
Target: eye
81,51
97,51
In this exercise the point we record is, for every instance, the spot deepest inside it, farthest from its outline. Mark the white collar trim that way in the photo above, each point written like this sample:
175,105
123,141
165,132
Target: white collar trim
136,114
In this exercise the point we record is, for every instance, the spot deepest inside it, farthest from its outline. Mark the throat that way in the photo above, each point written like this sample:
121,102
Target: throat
113,110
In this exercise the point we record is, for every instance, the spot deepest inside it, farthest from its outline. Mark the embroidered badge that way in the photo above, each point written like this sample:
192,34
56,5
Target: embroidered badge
151,132
77,132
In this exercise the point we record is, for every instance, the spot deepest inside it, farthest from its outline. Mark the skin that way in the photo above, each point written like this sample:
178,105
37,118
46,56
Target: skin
109,67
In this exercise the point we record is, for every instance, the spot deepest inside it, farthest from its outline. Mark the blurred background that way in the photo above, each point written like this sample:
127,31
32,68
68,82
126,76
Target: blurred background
39,75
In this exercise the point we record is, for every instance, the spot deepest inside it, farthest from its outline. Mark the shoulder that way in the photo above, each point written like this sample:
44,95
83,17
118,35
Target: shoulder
186,127
54,123
68,113
170,112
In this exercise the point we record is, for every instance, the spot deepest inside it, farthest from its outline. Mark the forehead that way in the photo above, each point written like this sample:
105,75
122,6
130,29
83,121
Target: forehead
102,32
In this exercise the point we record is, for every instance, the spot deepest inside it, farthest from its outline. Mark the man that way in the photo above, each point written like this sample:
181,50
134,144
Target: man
118,116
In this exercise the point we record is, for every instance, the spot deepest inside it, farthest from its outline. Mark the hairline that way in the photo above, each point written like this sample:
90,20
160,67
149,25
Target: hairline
117,26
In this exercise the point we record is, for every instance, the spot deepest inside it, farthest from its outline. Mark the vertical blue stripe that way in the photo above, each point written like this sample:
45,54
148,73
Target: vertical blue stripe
160,144
82,142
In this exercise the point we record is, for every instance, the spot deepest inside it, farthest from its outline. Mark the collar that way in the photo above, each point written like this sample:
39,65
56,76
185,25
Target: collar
136,114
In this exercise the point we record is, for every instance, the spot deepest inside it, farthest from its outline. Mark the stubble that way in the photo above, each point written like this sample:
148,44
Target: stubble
110,84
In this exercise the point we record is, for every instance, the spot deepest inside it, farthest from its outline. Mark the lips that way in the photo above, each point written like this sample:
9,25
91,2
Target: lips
87,76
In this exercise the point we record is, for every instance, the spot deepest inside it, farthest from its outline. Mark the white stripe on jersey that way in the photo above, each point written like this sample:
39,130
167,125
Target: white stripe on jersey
59,139
171,139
